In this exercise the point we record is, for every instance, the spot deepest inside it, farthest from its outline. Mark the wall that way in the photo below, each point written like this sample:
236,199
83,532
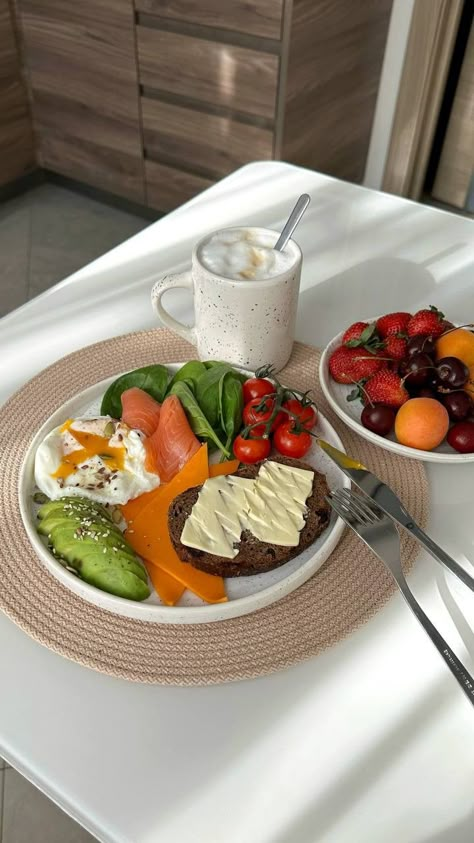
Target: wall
388,92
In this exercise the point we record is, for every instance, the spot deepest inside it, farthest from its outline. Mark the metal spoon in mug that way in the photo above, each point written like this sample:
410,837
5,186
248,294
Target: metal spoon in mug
292,221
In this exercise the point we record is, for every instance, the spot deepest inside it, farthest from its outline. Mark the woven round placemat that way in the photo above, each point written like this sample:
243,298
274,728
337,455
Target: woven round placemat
345,593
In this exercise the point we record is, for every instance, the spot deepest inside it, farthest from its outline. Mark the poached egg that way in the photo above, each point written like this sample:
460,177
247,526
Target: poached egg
101,459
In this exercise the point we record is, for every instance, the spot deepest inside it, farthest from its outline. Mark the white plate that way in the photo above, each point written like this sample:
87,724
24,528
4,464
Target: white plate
350,412
245,594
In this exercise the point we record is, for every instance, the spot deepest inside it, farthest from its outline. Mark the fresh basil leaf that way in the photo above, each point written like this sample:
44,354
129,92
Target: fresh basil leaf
152,379
197,419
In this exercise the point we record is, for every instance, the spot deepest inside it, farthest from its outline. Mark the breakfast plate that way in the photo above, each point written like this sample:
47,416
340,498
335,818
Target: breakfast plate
245,594
350,412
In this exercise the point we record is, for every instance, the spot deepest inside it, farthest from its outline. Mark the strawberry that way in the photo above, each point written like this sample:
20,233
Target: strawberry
348,365
354,331
426,322
385,388
366,364
395,347
393,323
341,364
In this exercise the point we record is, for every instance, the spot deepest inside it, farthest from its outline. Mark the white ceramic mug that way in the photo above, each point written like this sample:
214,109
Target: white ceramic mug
244,322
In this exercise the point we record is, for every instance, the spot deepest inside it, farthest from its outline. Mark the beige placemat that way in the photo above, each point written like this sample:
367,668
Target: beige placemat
345,593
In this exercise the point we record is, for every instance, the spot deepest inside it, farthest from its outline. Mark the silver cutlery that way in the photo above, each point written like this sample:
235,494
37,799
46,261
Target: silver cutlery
388,501
380,534
292,221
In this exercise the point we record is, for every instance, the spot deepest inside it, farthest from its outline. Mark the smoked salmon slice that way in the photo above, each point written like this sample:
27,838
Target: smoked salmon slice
140,411
173,443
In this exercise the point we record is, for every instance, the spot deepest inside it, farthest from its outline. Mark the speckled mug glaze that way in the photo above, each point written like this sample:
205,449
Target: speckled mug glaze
247,323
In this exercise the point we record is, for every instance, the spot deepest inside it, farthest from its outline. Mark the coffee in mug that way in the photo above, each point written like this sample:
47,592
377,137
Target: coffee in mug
245,297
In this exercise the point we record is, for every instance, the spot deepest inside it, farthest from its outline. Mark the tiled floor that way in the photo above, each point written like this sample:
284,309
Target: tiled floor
45,235
50,232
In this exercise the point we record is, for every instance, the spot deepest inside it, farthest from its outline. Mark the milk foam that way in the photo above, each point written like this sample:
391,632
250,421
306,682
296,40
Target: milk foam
245,255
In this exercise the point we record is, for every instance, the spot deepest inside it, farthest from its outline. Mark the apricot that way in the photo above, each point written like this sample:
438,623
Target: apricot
421,423
458,343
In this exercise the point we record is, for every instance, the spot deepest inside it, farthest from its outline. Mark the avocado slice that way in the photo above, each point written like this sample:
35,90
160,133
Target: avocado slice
86,525
94,559
73,505
64,538
119,582
81,552
100,554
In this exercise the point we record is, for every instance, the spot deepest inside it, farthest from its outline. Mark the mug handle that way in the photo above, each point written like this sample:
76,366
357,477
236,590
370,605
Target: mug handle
168,282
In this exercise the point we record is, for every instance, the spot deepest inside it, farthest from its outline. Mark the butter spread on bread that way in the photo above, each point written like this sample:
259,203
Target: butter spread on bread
272,507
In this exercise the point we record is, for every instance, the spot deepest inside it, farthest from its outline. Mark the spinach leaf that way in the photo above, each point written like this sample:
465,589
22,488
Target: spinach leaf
211,364
152,379
190,372
207,391
197,419
231,404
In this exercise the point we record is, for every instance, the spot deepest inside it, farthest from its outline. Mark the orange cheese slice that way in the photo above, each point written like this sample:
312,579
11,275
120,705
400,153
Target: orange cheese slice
149,535
220,468
168,588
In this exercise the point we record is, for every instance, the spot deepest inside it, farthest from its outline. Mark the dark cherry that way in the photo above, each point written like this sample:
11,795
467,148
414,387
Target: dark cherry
461,437
427,392
458,404
433,383
378,418
451,373
416,370
420,345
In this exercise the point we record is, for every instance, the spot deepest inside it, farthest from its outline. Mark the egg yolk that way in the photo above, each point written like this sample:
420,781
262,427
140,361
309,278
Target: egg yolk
92,445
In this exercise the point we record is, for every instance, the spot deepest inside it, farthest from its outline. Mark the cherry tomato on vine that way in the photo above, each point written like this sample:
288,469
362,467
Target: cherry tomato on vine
252,415
257,388
306,415
251,450
291,443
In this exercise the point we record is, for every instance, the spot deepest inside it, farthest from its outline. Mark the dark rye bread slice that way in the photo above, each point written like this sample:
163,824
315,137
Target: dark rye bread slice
254,556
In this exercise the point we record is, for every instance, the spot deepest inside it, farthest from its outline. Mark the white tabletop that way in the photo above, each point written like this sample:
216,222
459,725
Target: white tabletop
373,739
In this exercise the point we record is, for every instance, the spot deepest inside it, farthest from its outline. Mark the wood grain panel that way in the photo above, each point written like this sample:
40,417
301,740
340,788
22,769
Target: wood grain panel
204,142
333,65
58,113
92,163
429,49
262,17
167,187
222,74
83,74
16,139
456,164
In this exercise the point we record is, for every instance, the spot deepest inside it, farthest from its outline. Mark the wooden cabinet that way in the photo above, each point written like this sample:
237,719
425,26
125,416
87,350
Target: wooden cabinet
16,139
156,99
261,18
83,75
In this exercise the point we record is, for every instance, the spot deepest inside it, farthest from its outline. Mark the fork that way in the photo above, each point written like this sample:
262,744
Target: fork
380,534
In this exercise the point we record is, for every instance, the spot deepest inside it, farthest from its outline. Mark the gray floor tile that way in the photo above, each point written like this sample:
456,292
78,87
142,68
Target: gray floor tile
1,803
69,230
3,763
30,817
15,226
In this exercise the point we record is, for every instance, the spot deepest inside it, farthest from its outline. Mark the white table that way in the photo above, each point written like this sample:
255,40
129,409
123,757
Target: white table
371,741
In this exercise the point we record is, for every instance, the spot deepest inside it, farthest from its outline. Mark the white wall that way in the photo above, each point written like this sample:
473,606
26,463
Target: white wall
388,91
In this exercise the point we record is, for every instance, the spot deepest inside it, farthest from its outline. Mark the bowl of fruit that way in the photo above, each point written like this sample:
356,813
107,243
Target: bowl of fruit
405,382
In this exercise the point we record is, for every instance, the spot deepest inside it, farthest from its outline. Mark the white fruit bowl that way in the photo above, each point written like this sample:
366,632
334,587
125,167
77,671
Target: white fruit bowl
350,412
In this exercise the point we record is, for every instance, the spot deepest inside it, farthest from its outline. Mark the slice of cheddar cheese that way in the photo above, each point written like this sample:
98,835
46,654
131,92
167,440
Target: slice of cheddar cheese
220,468
168,588
149,536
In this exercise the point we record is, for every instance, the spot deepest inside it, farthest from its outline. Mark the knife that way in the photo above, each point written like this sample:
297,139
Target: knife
388,501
